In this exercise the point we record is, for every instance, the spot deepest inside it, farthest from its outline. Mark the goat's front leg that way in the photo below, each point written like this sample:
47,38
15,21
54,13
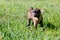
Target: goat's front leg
29,21
35,25
35,20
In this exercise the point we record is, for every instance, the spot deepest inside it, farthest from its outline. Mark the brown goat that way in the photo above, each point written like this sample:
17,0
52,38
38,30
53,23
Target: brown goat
35,16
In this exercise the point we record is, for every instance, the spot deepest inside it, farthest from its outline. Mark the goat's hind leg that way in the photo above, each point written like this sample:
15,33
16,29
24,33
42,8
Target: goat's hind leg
41,23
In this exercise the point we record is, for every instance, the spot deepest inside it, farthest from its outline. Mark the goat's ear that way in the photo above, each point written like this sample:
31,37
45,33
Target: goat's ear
42,11
31,8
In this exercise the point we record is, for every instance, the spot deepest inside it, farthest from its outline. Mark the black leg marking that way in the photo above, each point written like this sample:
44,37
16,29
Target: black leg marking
29,21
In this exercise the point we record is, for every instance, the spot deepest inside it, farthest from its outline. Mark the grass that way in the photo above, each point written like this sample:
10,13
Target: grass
13,20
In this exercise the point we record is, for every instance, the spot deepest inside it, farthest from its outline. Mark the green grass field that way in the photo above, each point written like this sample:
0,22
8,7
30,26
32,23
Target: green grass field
13,20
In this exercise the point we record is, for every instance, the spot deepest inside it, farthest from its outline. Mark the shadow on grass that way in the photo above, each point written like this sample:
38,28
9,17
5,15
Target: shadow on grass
51,26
